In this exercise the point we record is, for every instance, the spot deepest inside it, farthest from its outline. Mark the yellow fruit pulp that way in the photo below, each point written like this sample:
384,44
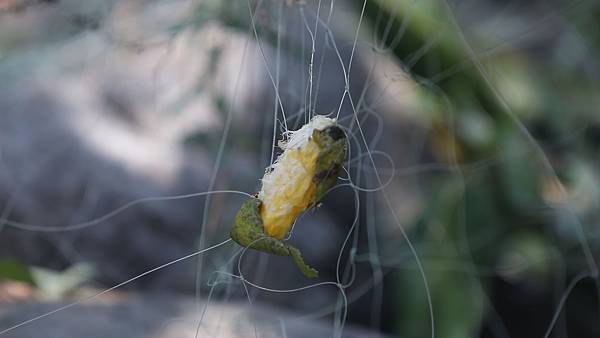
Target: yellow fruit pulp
289,189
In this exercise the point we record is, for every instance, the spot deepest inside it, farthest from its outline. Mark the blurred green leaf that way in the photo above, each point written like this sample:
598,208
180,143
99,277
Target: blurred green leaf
15,271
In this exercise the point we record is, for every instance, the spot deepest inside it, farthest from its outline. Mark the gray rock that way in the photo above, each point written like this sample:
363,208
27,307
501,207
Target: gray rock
166,316
94,116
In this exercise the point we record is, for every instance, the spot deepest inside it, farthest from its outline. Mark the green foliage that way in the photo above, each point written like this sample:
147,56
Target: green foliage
11,270
501,221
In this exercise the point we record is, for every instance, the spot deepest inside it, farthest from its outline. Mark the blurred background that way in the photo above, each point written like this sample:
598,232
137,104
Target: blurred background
469,201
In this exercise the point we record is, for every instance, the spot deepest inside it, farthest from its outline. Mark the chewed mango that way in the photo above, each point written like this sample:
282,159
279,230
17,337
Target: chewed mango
308,167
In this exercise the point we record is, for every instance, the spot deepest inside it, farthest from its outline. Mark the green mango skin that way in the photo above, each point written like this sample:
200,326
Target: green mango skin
332,144
249,231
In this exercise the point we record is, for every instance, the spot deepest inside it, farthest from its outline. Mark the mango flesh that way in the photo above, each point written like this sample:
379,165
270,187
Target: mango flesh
289,189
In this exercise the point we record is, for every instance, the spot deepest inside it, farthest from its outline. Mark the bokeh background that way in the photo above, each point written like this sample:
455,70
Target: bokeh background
474,133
